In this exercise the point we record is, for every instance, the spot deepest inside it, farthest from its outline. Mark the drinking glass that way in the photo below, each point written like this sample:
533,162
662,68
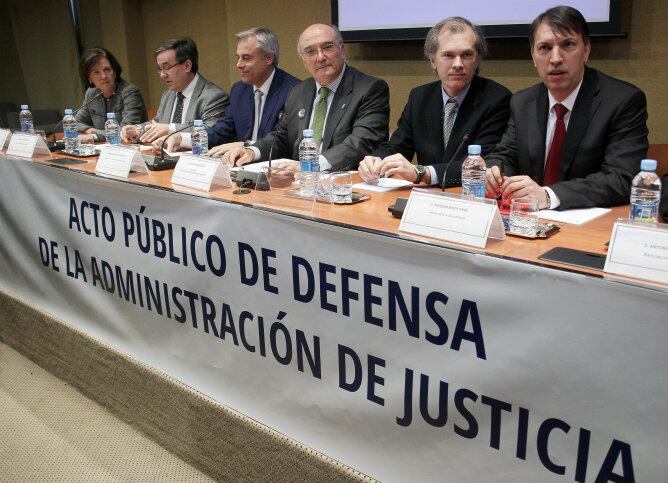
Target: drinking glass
523,219
341,187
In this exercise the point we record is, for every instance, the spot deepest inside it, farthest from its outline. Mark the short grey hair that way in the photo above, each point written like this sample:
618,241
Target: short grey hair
455,25
337,36
266,41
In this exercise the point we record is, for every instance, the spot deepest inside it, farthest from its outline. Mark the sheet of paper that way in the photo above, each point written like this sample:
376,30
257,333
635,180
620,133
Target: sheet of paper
574,217
384,184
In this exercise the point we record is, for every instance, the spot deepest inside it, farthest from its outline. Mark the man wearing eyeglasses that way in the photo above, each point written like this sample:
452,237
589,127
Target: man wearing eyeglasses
347,110
189,95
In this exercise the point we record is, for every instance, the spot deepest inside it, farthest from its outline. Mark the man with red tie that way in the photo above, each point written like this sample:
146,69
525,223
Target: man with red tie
576,139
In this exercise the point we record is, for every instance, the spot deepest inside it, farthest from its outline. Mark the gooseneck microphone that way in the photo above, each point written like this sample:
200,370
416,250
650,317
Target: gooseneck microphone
465,139
188,125
55,128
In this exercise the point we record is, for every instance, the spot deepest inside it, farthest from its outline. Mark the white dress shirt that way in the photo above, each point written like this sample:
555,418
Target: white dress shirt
187,94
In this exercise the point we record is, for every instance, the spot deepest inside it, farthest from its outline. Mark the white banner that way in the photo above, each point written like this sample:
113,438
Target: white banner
403,360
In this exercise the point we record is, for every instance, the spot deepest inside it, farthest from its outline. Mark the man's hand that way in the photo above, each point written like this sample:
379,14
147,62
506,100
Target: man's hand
494,180
240,156
172,144
524,186
153,131
220,151
369,168
397,165
87,138
129,133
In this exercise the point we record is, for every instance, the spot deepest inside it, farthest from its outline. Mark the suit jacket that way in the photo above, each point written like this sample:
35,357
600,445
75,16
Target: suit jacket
207,99
356,122
239,119
605,140
483,116
126,103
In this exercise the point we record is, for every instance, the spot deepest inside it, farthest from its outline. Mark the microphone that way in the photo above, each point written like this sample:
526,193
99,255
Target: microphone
55,128
188,125
466,138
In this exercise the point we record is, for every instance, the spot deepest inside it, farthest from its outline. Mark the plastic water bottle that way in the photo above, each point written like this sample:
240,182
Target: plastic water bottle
199,138
25,119
309,164
71,131
112,131
645,193
473,173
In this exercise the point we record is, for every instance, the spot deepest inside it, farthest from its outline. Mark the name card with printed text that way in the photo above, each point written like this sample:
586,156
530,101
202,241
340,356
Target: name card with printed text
638,250
26,145
119,161
5,136
200,172
452,217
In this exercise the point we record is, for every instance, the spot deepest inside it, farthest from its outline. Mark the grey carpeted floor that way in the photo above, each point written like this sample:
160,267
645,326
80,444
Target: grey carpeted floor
51,432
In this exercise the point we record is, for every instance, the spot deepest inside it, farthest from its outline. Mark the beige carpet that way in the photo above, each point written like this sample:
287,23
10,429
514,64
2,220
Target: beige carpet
51,432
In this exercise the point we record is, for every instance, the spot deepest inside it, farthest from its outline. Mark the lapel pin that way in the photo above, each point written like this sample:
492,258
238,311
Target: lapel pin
343,106
302,113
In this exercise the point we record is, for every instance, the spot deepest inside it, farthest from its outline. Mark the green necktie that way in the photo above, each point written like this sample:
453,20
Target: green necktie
319,115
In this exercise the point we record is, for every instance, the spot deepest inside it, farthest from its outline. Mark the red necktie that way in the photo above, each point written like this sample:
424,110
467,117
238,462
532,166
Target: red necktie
553,164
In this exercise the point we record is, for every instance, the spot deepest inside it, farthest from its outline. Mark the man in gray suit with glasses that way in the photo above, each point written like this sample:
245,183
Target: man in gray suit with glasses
189,95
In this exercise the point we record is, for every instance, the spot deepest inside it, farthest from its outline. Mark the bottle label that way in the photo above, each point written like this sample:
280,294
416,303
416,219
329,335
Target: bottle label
475,189
70,134
647,213
113,139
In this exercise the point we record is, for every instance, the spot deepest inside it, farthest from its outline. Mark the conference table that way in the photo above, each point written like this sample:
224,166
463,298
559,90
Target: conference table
397,354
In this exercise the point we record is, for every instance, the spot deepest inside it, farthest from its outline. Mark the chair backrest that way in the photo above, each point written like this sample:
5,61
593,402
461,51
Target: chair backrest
43,119
660,153
6,107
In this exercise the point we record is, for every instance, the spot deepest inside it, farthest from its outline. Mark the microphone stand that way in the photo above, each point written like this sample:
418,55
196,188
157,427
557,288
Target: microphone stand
55,128
466,138
188,125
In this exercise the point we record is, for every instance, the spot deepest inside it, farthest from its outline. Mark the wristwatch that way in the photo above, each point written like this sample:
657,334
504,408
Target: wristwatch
419,170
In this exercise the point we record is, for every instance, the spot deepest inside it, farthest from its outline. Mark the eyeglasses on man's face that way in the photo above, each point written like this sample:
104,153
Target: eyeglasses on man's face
327,49
166,68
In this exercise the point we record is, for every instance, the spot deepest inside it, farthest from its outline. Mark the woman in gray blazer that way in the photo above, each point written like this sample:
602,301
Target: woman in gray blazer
107,92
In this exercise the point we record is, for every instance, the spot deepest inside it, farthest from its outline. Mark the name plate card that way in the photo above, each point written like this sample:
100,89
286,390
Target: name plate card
200,172
25,145
638,250
119,161
5,136
452,217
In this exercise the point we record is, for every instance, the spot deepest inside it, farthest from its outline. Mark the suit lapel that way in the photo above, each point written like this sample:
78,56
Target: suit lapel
537,129
192,105
305,106
583,110
270,102
433,116
247,111
339,105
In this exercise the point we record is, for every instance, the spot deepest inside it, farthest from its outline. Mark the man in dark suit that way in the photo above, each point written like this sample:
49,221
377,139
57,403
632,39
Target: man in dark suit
576,139
259,96
189,95
348,110
462,106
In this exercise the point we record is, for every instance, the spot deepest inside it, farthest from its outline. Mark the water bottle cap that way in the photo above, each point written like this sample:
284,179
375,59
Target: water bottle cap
198,123
24,107
648,165
475,149
111,115
68,112
308,133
